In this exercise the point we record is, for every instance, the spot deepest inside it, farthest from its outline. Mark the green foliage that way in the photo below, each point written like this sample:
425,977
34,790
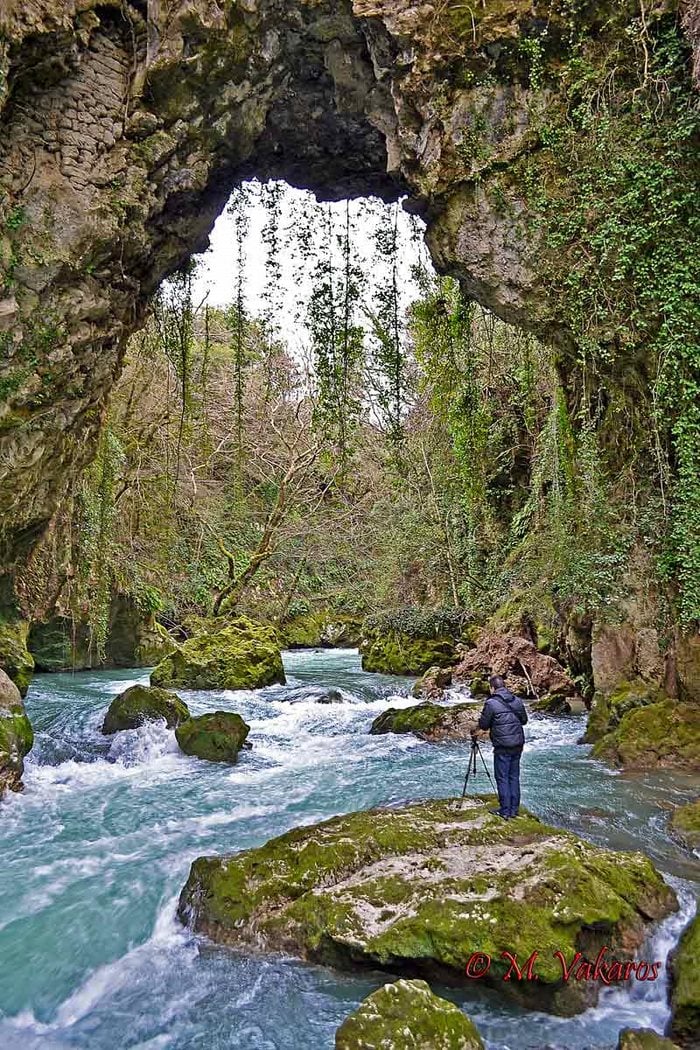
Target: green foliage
419,622
615,190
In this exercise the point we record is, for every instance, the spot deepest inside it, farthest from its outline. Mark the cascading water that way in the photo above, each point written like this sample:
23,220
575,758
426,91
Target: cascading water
97,849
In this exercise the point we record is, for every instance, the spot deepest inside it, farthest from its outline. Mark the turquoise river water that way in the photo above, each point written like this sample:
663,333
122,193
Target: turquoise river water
96,850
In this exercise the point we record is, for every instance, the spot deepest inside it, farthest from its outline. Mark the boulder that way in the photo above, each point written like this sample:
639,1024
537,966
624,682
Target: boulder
684,989
433,683
479,687
519,662
16,735
643,1039
153,645
301,632
242,655
215,737
652,736
15,659
560,705
398,653
428,721
420,888
410,641
143,703
341,633
685,824
330,696
407,1015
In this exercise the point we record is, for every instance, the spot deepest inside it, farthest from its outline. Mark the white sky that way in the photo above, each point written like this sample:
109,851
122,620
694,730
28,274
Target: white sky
300,217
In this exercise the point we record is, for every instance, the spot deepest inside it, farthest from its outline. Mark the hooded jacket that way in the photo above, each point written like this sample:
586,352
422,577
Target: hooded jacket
504,715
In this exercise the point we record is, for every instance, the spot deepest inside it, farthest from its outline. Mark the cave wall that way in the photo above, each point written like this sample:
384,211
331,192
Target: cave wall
125,125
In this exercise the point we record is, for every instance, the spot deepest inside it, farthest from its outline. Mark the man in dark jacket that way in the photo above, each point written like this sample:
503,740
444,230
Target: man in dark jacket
504,716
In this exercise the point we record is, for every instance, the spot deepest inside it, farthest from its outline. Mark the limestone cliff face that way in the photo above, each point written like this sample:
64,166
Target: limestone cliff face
124,127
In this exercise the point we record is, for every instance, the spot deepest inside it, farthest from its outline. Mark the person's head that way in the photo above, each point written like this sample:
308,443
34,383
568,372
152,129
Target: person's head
496,683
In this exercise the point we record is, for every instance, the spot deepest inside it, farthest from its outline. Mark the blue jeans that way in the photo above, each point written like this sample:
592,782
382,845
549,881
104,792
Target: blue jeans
506,766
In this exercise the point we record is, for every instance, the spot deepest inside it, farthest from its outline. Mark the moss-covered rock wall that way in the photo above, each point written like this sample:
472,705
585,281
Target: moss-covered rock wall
551,148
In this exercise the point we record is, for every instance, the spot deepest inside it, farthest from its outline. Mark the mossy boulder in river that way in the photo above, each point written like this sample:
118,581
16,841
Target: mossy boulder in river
215,737
15,659
143,703
433,722
685,824
657,735
684,1026
406,1015
419,888
16,736
608,709
410,641
643,1039
242,655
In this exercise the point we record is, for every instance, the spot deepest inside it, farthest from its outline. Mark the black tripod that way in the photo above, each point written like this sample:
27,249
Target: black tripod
471,765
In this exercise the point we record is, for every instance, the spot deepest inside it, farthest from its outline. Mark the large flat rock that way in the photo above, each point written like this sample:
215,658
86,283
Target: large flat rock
418,889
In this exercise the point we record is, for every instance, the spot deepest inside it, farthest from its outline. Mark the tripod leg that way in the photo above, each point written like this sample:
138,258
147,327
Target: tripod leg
486,768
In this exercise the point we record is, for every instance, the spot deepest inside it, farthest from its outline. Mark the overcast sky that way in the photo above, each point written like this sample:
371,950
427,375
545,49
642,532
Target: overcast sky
300,218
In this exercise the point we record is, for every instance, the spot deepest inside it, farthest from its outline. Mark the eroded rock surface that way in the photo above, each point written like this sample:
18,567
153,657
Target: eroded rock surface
526,670
421,887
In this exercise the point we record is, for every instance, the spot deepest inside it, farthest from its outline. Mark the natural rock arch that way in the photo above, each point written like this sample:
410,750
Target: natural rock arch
125,125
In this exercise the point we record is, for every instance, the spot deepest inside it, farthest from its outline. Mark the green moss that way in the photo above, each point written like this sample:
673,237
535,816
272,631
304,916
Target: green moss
242,655
685,824
427,883
406,1015
15,658
685,986
16,741
657,734
302,632
608,711
142,703
216,737
423,720
154,644
643,1039
397,653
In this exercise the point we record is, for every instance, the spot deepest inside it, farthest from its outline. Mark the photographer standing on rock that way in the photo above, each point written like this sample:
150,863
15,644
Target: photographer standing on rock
504,716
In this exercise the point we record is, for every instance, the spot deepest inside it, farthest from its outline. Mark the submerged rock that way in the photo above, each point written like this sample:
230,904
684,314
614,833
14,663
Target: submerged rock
215,737
432,722
643,1039
684,991
242,655
407,1015
143,703
685,824
16,736
419,889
